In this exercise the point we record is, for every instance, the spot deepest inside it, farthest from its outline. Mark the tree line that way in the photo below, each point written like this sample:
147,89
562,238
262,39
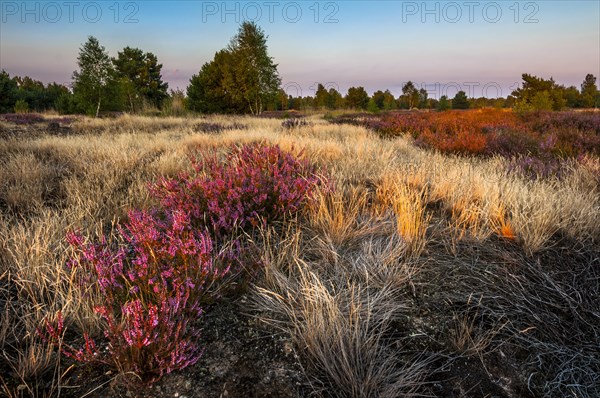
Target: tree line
535,94
243,78
130,82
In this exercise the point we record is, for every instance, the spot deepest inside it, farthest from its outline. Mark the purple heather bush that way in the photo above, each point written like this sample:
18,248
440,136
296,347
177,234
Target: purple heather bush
536,167
165,264
152,281
548,121
255,184
511,142
23,118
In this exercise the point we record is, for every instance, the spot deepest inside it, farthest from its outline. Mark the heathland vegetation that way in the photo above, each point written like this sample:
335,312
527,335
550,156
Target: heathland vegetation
255,254
366,253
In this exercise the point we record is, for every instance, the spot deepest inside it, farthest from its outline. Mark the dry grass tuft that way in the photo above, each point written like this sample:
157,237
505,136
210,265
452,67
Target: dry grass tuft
408,206
25,183
340,216
338,323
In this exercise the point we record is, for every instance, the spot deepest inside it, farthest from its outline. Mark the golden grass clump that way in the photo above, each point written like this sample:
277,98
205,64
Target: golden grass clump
408,207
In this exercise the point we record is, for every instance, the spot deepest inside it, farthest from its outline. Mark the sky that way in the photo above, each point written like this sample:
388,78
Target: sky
481,47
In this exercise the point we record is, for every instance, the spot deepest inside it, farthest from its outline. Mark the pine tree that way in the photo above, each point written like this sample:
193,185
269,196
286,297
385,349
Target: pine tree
460,101
589,91
8,92
140,75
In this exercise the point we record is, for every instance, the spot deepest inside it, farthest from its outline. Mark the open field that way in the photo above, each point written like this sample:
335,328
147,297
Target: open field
407,272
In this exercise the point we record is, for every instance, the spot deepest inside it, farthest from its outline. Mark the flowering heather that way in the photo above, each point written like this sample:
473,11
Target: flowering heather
535,142
537,167
163,265
23,118
254,184
64,120
578,132
448,123
550,121
150,340
159,253
513,142
152,284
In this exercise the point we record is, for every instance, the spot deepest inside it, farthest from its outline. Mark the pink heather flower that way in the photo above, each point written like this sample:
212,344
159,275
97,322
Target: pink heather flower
161,266
74,239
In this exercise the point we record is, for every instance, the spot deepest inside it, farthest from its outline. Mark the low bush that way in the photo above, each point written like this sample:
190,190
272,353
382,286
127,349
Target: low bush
293,123
165,264
23,118
216,128
254,184
153,279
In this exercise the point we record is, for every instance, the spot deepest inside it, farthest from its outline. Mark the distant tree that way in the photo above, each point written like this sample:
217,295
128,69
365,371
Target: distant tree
208,92
357,98
423,100
8,92
557,97
499,103
255,74
572,97
379,99
91,81
532,87
321,96
66,103
479,103
53,92
510,101
32,92
372,106
542,101
141,79
389,102
240,78
21,106
295,102
410,95
384,100
307,102
589,92
460,101
334,99
282,102
443,104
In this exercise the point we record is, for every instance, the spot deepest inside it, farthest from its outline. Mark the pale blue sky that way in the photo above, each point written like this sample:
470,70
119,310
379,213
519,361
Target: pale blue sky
375,44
